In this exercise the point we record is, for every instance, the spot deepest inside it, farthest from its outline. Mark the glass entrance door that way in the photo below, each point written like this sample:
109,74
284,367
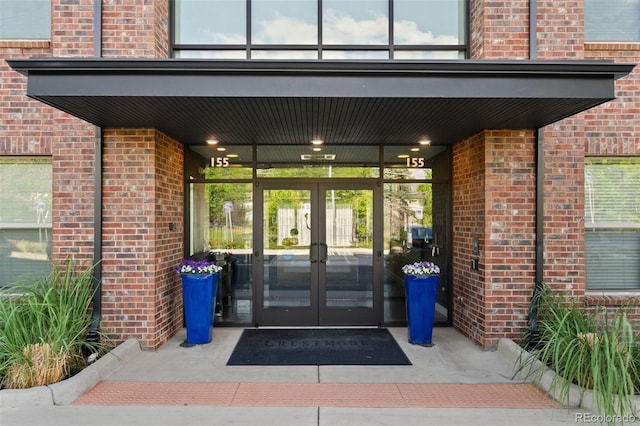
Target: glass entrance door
315,254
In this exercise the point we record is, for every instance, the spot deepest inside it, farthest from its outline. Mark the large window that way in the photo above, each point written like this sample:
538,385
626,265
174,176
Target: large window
25,19
612,224
25,219
612,20
320,29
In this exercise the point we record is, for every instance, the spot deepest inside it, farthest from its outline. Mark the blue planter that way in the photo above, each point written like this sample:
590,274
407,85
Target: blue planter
199,298
420,295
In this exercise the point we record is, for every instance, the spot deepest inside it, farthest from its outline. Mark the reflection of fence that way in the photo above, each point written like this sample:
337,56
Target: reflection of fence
219,237
340,228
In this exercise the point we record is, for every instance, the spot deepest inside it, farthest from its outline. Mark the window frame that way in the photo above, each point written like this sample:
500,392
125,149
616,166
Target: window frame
610,238
21,268
178,49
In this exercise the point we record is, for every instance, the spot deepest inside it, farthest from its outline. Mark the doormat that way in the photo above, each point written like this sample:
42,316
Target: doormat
350,346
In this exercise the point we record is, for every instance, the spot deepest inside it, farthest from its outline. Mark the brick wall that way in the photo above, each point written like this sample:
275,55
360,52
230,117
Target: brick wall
509,261
25,124
468,222
73,147
608,130
72,28
560,36
142,195
613,129
135,28
31,128
560,27
169,229
144,300
499,29
494,201
142,293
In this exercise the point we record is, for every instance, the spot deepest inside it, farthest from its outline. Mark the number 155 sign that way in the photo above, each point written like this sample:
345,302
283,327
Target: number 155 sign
415,162
219,162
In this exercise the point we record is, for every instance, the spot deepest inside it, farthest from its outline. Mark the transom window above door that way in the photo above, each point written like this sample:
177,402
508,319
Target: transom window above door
320,29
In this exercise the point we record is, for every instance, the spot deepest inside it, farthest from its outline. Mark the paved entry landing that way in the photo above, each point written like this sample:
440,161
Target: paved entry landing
378,395
455,373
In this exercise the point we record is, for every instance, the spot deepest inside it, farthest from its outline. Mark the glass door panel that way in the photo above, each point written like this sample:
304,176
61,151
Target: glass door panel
317,248
288,284
346,257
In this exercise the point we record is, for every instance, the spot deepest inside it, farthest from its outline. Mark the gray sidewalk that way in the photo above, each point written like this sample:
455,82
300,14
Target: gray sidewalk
454,359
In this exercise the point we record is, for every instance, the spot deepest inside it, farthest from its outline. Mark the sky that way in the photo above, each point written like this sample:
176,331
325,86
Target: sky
295,22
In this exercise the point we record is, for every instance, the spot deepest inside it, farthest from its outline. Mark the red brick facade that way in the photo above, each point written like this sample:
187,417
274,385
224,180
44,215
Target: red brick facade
143,196
494,172
494,194
145,304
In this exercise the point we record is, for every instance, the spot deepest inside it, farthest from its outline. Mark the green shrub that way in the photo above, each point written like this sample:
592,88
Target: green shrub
43,328
595,350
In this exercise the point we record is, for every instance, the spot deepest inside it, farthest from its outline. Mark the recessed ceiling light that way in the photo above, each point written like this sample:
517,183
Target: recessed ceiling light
403,156
317,142
425,142
221,148
414,149
212,141
232,155
316,149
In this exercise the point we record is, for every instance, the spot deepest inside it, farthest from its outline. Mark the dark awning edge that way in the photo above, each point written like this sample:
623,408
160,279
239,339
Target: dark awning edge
574,67
345,102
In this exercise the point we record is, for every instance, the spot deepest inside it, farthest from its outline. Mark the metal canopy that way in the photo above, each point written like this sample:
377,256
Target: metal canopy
292,102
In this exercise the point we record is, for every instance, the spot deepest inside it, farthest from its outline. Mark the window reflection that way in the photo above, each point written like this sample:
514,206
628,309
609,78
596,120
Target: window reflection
210,22
284,54
221,230
25,19
284,22
427,54
355,22
428,22
25,219
211,54
347,29
355,54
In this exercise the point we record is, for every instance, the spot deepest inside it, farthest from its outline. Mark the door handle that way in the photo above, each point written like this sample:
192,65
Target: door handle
313,252
325,253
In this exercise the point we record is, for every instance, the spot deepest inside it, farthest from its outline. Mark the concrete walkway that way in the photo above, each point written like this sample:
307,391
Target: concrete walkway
442,387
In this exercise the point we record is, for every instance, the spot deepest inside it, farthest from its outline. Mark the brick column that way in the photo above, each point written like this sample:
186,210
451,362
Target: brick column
494,201
143,231
143,194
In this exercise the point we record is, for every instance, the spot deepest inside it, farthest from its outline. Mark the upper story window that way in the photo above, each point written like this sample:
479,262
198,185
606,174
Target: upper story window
320,29
612,20
25,19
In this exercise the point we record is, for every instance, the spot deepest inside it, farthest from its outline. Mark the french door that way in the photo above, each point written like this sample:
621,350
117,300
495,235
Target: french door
315,254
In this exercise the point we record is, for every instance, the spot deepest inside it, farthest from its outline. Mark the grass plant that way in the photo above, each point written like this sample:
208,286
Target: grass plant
596,350
43,328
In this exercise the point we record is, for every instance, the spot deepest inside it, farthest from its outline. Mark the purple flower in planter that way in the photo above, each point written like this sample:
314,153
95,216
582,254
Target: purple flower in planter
188,266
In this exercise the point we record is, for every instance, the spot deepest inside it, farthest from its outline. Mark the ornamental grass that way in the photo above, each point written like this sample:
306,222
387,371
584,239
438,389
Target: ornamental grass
595,350
43,328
